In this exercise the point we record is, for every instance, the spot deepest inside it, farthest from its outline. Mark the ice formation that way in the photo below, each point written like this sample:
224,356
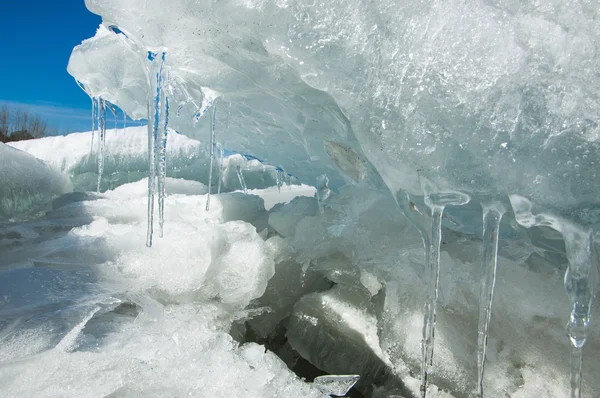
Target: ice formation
481,119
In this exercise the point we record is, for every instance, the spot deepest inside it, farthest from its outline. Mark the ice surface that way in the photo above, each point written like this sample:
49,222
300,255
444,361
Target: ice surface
27,184
437,102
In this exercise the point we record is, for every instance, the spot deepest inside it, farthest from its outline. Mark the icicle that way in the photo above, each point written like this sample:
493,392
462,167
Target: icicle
162,158
578,278
437,202
221,174
101,139
212,152
154,99
579,287
124,121
94,118
492,215
240,175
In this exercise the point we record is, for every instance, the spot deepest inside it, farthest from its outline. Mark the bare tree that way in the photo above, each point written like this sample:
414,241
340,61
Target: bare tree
18,124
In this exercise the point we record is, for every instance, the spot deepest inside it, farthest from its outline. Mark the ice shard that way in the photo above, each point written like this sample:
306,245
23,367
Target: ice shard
492,215
101,139
212,152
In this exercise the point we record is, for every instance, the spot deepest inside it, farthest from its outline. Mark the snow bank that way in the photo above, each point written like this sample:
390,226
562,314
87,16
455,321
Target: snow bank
27,185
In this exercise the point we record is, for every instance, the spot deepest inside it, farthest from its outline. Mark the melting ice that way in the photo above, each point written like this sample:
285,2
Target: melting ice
450,237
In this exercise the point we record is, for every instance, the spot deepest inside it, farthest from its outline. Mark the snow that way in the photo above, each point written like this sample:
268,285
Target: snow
27,184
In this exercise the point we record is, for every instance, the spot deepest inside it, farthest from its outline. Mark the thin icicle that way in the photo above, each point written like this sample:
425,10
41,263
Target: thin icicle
101,139
492,215
94,119
162,158
240,176
154,99
221,174
124,121
212,152
437,202
579,287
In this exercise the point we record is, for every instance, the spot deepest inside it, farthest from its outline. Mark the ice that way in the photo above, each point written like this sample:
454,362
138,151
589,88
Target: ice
337,385
284,219
101,114
213,143
28,184
492,215
404,112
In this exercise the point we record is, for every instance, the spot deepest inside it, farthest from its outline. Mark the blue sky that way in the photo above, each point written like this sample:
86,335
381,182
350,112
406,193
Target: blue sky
37,38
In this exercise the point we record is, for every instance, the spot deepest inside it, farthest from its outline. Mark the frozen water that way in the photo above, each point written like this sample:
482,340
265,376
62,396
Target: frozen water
481,100
337,385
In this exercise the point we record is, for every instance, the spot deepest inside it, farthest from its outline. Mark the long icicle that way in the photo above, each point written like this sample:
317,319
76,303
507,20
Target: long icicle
155,71
221,176
579,287
212,152
162,159
433,280
492,215
101,139
94,117
437,202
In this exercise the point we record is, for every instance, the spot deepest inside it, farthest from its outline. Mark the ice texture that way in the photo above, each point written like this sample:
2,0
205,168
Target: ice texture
448,105
27,185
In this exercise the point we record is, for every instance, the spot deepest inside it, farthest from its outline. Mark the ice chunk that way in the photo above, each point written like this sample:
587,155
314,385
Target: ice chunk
285,218
336,331
242,272
337,385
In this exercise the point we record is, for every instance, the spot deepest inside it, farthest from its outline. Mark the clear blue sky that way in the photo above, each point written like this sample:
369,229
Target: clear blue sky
37,38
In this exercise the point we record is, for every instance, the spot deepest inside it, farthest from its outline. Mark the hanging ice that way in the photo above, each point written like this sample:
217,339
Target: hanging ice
578,278
94,119
101,139
430,228
156,106
221,175
212,152
162,156
492,215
